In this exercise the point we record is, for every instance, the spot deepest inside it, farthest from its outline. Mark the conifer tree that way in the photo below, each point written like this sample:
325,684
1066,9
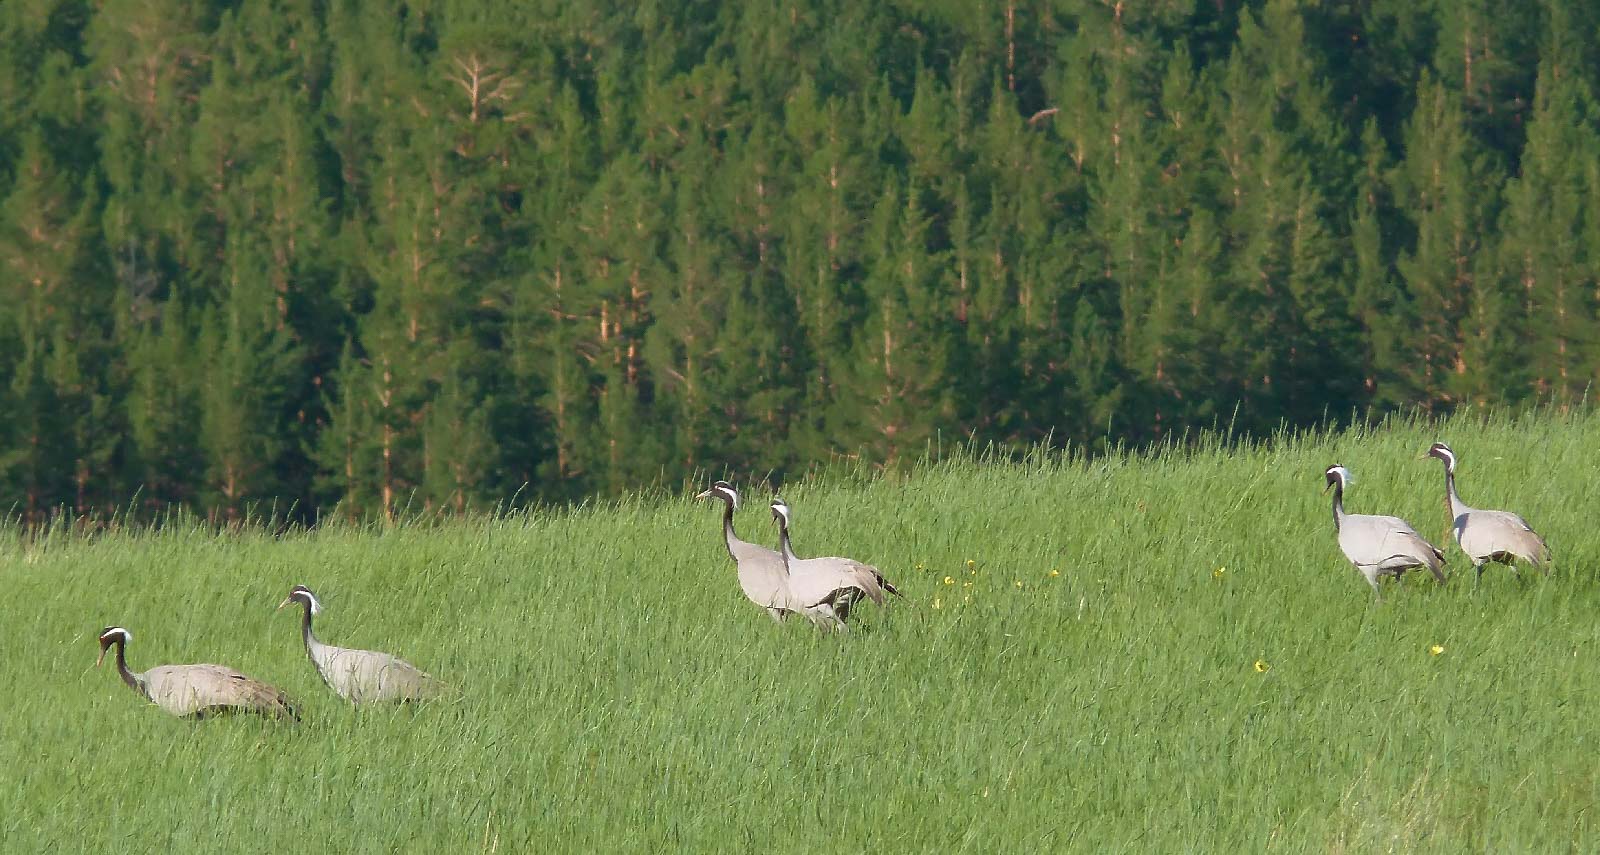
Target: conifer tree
1547,257
896,397
249,362
1378,306
164,407
1440,185
389,254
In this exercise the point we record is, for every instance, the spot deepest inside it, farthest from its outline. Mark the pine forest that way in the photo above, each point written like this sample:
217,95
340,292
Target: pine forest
357,258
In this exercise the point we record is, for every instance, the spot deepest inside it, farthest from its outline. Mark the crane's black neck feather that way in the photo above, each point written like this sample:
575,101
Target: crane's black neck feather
1452,499
728,537
305,625
122,668
1338,503
783,540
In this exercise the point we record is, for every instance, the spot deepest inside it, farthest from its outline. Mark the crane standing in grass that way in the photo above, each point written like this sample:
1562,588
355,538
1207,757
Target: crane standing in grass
200,691
826,589
1499,536
360,676
762,575
1379,546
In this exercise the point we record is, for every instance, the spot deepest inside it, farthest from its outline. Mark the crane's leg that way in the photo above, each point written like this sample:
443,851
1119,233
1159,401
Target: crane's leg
823,616
835,623
1478,566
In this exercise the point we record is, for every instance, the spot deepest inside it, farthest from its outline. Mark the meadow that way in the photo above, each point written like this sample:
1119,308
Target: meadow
1152,652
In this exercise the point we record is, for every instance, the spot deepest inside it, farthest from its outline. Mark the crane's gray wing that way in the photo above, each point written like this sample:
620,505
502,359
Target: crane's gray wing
817,580
883,582
366,676
865,578
1386,543
1500,535
1412,543
207,689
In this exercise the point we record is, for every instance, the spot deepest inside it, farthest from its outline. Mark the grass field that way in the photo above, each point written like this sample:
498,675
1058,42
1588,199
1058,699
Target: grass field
615,692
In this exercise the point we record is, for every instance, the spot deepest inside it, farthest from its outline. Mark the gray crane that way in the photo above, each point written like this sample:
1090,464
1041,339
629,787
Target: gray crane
360,676
1379,546
762,575
1499,536
198,691
826,589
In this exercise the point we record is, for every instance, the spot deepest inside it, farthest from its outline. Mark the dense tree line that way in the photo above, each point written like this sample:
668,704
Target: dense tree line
425,253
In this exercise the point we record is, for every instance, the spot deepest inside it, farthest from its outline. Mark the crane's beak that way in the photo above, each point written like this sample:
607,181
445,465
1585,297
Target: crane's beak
703,495
286,601
102,656
1326,487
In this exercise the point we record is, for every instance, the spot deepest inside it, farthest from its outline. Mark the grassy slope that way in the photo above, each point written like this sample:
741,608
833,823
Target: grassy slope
616,689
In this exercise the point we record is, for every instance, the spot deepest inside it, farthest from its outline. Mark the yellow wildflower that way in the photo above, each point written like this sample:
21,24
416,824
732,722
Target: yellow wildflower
966,584
937,603
1436,649
1262,667
971,564
949,581
920,568
1219,572
1019,583
1054,573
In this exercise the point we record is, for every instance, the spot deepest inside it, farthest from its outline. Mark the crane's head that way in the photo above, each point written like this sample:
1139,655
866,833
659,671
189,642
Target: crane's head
302,595
1339,475
109,636
780,513
724,491
1443,452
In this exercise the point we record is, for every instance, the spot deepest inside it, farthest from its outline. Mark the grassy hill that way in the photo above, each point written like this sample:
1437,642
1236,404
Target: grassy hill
1140,653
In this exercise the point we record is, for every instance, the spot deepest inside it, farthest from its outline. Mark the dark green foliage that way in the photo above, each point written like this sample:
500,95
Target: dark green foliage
437,255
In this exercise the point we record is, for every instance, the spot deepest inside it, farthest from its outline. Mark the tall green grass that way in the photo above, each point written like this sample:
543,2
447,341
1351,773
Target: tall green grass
614,692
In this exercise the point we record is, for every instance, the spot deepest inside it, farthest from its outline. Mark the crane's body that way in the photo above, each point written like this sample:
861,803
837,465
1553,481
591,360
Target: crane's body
826,589
1378,545
1487,535
762,575
198,691
360,676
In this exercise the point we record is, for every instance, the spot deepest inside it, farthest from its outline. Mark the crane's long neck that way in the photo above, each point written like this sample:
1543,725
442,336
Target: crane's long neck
783,544
128,676
316,651
729,539
1338,506
305,632
1457,507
